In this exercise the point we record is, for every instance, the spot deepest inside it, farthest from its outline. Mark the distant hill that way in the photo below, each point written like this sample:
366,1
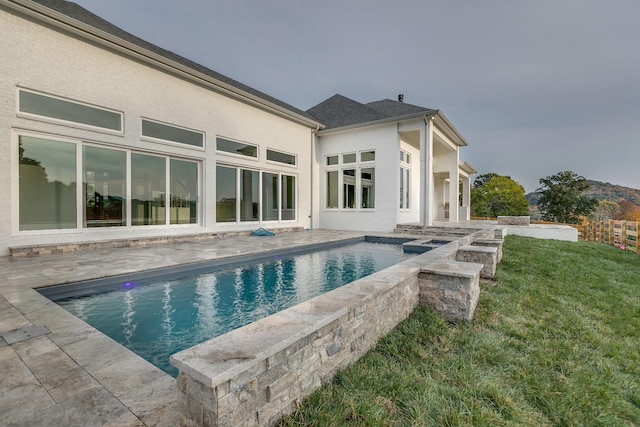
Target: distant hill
601,191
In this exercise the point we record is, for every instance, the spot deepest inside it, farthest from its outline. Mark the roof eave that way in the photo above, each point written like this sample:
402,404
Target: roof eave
422,114
462,142
60,20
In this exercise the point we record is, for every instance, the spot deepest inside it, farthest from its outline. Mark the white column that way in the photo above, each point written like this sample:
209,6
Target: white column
426,174
466,199
454,190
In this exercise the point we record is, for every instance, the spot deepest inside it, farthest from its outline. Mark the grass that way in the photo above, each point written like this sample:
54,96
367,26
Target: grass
555,342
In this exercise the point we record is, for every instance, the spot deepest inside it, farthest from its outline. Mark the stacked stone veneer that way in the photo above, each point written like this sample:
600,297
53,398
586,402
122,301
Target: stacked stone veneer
254,375
62,248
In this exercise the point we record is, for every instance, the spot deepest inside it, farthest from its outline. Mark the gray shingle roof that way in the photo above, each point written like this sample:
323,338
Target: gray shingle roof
339,111
391,108
77,12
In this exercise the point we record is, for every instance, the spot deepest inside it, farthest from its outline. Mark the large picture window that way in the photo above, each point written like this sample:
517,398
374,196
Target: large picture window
270,196
225,194
104,183
67,185
288,206
148,188
47,184
249,195
183,192
350,184
245,195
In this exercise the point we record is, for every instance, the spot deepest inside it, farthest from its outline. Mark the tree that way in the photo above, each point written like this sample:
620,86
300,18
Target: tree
627,210
605,210
562,199
495,195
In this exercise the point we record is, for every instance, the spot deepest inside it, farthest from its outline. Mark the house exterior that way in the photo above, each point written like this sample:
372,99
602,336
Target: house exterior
386,163
105,136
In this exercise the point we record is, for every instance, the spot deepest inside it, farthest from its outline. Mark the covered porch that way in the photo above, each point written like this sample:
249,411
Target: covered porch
443,182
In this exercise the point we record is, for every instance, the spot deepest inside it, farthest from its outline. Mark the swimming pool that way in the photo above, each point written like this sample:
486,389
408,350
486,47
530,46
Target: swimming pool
169,312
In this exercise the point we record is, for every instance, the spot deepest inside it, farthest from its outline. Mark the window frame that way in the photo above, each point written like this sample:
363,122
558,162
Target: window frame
276,162
235,154
405,202
80,201
148,138
344,200
69,123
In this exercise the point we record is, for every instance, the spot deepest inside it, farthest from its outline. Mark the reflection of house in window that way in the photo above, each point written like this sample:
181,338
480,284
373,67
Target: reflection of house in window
349,188
367,183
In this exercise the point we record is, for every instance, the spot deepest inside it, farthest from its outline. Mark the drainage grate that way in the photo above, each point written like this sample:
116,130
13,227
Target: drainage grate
24,334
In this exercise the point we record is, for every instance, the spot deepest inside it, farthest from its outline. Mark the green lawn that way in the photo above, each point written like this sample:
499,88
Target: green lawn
555,341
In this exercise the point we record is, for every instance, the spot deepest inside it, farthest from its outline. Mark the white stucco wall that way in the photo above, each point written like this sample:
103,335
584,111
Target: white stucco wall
384,140
411,215
43,59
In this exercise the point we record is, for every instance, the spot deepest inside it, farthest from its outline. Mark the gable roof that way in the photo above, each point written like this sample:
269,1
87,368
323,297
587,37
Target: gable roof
72,15
340,111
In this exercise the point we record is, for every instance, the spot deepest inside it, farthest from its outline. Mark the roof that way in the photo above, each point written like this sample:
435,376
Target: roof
340,111
78,13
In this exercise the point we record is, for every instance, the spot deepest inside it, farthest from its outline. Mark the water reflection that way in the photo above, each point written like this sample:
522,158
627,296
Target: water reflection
160,319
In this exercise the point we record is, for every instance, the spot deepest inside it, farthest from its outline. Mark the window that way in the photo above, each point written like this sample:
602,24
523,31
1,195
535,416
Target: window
270,196
183,188
367,184
401,188
332,189
349,158
350,185
288,205
104,182
405,180
280,157
239,148
51,197
332,160
69,111
367,156
349,189
225,194
171,133
242,196
249,195
47,184
148,188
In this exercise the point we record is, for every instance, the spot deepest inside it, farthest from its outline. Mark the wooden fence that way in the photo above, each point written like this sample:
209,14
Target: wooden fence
622,234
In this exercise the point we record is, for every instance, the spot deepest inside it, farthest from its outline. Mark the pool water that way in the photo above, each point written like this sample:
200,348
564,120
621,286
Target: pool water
158,319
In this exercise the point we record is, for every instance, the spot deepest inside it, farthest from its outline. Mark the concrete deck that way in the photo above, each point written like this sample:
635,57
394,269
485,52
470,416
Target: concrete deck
76,376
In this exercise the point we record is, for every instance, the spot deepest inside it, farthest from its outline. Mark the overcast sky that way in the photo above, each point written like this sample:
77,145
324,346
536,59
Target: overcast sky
536,87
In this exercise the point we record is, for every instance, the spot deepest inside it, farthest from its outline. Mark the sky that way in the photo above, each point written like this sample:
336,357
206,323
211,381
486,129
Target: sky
535,87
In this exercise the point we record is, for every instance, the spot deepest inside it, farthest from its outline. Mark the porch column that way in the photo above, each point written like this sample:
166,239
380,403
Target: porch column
465,209
454,188
426,174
